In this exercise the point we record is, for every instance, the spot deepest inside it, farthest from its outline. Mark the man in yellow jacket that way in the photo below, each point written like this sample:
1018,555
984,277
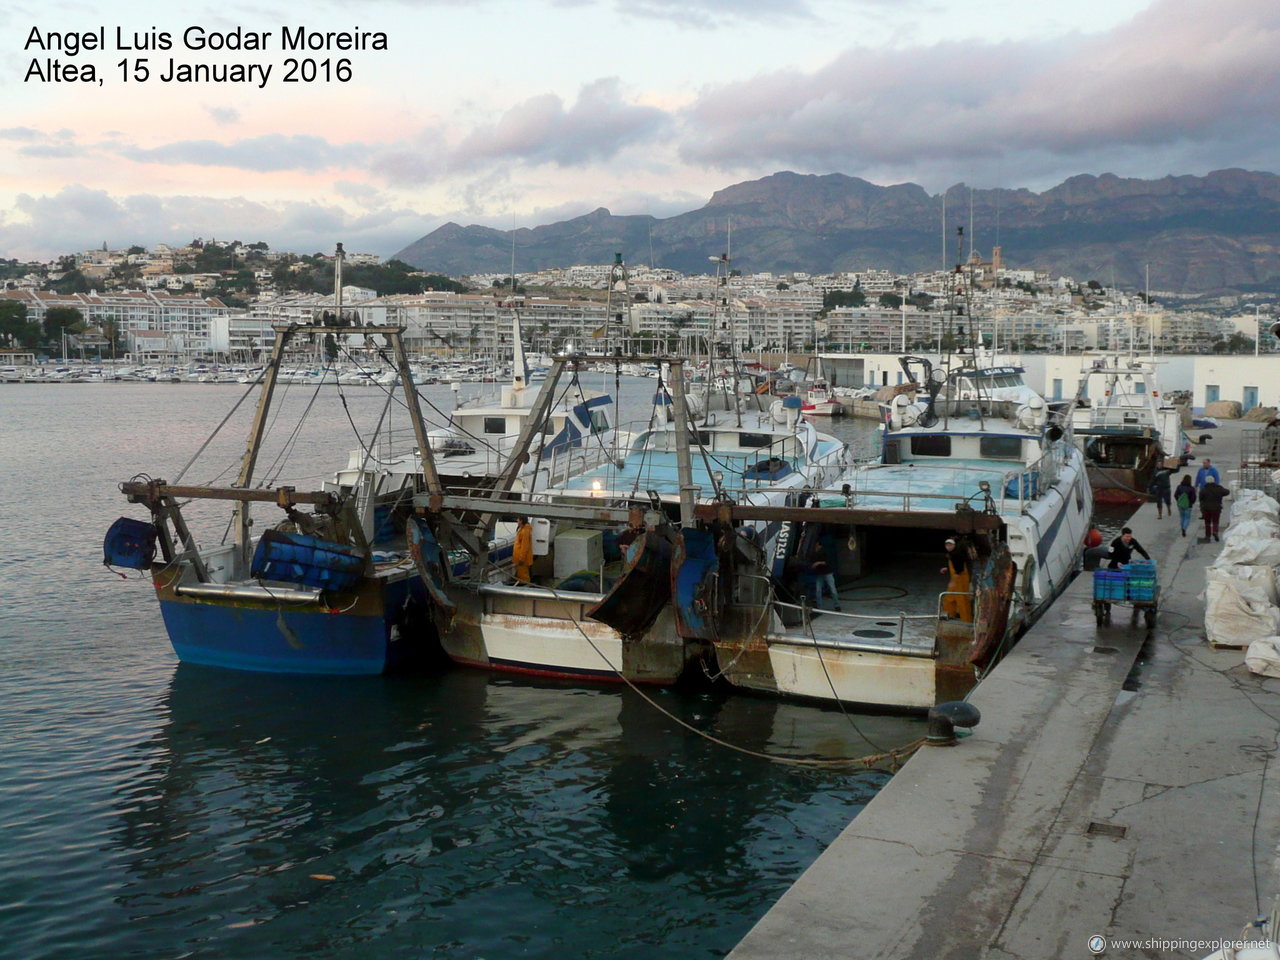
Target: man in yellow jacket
522,552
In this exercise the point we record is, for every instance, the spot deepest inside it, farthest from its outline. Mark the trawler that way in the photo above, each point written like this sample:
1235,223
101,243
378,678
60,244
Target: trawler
622,582
328,587
1125,428
1001,479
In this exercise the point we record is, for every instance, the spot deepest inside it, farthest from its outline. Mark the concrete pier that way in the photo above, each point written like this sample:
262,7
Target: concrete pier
1120,785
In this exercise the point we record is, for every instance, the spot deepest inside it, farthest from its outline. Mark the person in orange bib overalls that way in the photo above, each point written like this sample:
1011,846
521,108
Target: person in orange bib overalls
954,606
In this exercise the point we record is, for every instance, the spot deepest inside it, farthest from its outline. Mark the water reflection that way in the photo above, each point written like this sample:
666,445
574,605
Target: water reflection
468,815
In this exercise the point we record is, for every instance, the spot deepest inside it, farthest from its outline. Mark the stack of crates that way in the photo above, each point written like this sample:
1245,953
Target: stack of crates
1141,585
1109,584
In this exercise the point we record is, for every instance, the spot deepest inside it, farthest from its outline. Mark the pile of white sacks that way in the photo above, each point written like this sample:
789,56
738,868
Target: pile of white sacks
1240,592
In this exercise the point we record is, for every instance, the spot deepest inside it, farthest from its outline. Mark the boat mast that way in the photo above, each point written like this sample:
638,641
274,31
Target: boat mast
395,339
254,444
620,282
684,461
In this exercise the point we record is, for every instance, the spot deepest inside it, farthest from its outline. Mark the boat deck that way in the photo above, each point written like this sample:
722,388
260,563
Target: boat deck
895,603
658,471
935,486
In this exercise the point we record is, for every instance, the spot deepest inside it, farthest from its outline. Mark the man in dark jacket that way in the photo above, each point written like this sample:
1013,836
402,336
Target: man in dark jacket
1161,492
1211,497
1122,549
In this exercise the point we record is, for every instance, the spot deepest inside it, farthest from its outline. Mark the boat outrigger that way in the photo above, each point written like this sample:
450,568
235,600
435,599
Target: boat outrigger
329,589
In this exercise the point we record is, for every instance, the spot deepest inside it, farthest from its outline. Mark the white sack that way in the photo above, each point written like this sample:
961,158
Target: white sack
1231,619
1263,657
1252,543
1252,505
1256,584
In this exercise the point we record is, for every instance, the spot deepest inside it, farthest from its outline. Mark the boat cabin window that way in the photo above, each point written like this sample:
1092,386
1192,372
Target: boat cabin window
495,424
599,421
931,445
746,440
1000,448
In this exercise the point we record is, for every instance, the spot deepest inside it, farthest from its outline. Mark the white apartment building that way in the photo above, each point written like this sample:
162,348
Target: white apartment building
182,320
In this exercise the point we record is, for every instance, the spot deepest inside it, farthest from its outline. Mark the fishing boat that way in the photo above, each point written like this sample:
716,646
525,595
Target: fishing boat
329,587
987,376
1125,428
476,442
622,575
1003,480
819,400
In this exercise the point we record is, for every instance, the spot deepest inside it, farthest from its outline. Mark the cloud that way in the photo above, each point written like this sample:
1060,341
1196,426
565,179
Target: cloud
710,14
272,152
223,116
543,130
19,133
53,151
77,216
1156,87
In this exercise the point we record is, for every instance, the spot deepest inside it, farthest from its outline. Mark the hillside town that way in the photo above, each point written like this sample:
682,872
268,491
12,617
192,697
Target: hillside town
216,302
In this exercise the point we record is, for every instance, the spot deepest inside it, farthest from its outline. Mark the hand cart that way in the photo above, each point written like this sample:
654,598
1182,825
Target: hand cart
1134,585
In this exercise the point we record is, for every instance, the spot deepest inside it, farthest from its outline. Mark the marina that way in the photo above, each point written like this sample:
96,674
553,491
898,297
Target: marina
808,732
459,813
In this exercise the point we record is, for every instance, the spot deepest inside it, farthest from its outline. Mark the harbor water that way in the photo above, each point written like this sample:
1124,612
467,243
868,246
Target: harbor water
159,810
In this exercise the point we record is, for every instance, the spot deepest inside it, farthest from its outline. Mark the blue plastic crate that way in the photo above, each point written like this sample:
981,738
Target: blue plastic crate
1141,590
1109,584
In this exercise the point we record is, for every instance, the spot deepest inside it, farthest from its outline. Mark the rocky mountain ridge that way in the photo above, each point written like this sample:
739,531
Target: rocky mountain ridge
1216,233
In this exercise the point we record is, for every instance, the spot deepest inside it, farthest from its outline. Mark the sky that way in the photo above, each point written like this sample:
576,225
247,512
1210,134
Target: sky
515,113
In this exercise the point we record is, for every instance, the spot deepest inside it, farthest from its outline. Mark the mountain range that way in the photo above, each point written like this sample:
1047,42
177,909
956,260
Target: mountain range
1218,233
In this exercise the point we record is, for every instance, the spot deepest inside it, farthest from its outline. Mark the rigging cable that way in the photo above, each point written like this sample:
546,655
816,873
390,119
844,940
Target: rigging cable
895,756
244,396
286,448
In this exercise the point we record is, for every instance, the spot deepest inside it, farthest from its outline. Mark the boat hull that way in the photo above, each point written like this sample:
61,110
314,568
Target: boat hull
379,627
1118,486
549,637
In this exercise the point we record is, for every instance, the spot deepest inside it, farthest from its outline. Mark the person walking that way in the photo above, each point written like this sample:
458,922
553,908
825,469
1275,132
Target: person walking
1159,489
1184,498
957,604
1123,548
1211,497
1206,473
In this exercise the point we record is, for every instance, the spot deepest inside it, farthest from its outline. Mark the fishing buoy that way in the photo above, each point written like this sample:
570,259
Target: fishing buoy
1093,538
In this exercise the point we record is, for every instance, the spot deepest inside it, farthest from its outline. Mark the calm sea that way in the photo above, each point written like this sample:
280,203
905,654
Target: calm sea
162,811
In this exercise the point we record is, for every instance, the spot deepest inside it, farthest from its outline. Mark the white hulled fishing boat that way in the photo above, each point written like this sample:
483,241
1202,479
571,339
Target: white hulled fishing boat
1001,479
